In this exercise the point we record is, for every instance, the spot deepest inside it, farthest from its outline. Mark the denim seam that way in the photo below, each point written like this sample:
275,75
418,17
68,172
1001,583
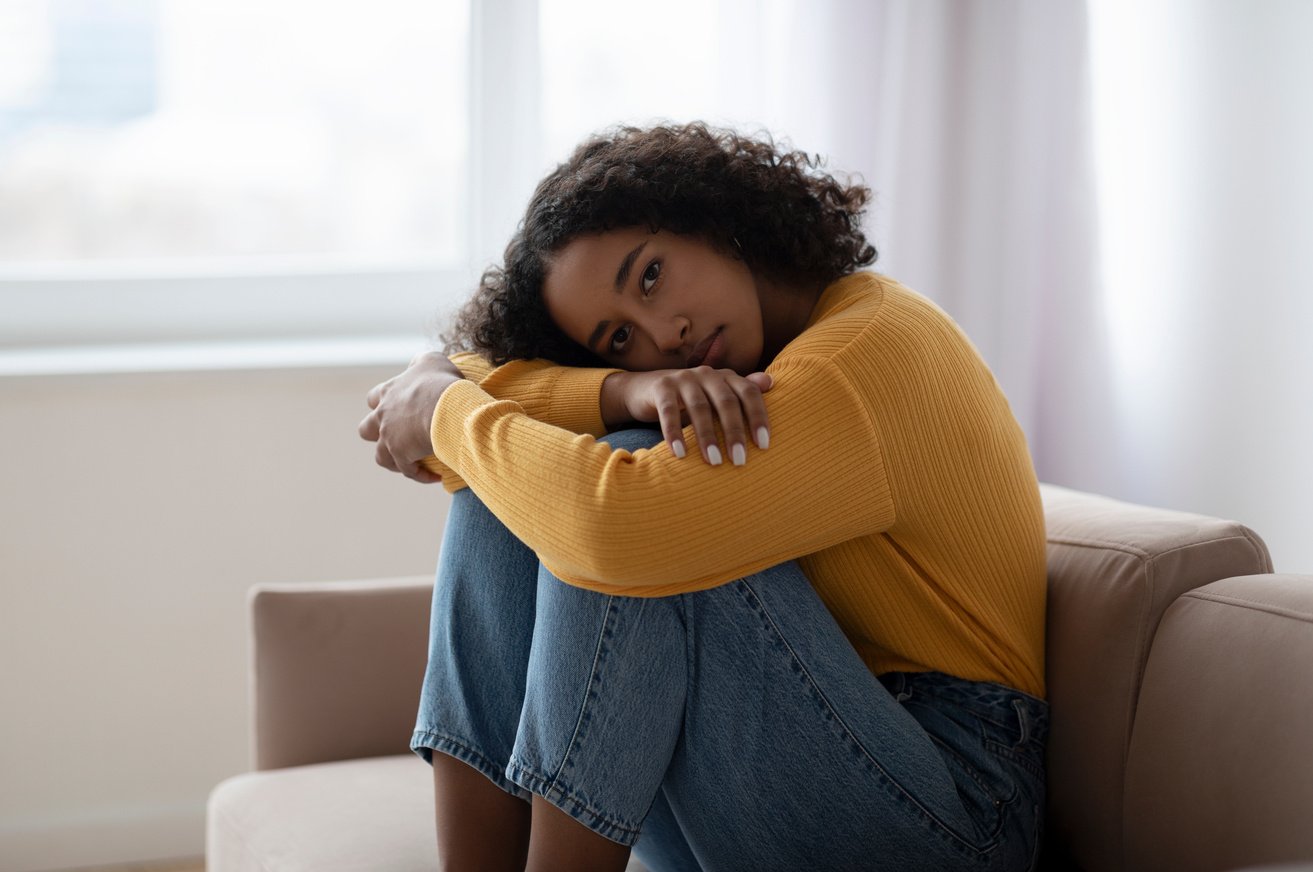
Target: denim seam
565,798
983,713
598,657
469,755
974,774
1014,755
956,838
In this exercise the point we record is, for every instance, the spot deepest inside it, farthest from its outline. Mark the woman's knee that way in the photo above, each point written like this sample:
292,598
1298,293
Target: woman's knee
633,438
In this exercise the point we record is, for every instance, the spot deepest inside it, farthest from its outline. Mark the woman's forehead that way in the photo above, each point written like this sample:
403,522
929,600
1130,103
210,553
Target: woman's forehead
597,260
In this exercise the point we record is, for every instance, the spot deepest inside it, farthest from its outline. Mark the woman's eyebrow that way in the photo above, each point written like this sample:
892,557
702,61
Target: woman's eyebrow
597,333
626,265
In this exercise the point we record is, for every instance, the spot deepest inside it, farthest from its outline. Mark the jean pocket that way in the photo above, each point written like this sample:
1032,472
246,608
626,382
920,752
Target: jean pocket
985,787
1021,741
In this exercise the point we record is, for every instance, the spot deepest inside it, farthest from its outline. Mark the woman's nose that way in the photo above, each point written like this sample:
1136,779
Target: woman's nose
671,335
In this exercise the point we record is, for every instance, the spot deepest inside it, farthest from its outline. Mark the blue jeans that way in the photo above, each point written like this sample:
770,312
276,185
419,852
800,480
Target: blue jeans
733,728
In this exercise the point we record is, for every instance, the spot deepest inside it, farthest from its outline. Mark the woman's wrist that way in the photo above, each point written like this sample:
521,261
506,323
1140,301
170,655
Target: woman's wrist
615,412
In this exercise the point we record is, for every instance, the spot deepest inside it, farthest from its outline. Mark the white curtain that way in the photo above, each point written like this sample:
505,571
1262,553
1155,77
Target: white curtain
1116,203
1204,141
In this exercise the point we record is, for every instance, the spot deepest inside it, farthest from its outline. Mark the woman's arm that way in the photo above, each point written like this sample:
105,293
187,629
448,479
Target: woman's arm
647,523
566,397
593,401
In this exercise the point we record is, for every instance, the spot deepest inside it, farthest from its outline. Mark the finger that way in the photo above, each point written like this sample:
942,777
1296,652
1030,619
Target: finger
763,380
729,410
368,428
427,475
383,457
376,394
701,414
417,472
669,416
754,409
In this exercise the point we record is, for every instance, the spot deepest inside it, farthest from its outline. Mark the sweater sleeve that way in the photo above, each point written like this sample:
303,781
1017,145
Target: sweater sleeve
646,523
566,397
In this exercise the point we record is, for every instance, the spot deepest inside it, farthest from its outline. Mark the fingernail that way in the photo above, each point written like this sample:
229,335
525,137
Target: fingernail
763,438
713,455
678,447
738,454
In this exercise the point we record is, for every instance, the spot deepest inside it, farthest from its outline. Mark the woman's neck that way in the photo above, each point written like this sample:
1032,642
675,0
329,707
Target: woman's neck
785,310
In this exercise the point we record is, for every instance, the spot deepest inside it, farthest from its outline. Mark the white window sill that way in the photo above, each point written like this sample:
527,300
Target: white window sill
277,354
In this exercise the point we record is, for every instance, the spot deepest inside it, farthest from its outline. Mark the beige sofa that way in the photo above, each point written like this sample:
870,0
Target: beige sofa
1180,676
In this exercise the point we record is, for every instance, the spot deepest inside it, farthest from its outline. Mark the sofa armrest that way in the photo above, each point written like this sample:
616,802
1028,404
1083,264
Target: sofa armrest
1114,568
336,668
1220,770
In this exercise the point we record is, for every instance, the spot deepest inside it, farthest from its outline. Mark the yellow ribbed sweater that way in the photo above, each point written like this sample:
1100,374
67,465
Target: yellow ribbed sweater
896,475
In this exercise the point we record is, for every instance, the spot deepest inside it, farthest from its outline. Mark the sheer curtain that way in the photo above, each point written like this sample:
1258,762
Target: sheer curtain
1203,143
1114,200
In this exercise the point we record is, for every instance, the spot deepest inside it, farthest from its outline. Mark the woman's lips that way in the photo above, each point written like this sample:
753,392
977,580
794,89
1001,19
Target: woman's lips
710,351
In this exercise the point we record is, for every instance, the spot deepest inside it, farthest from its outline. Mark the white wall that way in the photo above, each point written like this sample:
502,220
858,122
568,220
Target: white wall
136,512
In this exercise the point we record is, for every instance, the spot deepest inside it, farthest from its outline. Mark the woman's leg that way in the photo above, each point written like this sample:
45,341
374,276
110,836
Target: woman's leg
480,627
737,728
794,755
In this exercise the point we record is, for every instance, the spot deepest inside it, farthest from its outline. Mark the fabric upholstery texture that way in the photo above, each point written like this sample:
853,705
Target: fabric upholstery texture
354,814
1114,568
312,641
1218,681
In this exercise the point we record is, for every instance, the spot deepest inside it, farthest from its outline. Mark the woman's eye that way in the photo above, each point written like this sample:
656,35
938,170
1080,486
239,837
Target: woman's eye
650,276
619,338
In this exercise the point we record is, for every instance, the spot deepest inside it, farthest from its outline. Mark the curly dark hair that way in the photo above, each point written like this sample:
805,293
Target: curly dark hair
772,207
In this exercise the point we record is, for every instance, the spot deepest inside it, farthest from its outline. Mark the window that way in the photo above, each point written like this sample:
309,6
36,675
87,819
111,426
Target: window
157,156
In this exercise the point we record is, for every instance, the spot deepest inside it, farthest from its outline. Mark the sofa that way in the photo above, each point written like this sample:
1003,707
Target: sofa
1180,675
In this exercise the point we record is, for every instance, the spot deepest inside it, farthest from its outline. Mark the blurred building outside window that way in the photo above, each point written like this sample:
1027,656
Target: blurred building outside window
167,129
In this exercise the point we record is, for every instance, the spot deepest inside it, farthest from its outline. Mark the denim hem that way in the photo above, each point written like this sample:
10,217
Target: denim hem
424,742
567,801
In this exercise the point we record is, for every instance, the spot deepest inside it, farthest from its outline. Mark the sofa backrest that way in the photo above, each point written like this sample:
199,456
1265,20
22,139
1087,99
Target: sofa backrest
1114,568
1219,774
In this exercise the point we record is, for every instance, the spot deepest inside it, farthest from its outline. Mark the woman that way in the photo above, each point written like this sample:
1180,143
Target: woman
818,644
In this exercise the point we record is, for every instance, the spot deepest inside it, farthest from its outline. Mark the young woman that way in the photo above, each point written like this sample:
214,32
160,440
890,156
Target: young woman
801,626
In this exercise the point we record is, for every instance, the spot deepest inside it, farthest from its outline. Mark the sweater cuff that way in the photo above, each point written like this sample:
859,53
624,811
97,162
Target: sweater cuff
454,417
570,397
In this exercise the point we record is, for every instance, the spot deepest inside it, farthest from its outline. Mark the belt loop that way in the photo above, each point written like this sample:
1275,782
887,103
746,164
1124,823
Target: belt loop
896,684
1023,720
903,692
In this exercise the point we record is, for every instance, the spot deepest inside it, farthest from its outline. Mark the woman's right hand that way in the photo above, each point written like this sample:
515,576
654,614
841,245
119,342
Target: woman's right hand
699,396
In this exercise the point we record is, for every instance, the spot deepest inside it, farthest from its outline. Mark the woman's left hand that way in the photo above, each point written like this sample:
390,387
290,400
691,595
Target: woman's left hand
402,413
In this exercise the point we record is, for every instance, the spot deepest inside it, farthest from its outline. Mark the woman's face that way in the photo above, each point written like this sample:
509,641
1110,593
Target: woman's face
642,300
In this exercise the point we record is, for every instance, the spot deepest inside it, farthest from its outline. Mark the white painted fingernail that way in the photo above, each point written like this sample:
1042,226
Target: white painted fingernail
738,454
763,438
678,447
713,456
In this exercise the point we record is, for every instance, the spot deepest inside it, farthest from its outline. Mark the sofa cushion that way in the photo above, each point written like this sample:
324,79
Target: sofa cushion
1231,661
1114,568
346,816
375,813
